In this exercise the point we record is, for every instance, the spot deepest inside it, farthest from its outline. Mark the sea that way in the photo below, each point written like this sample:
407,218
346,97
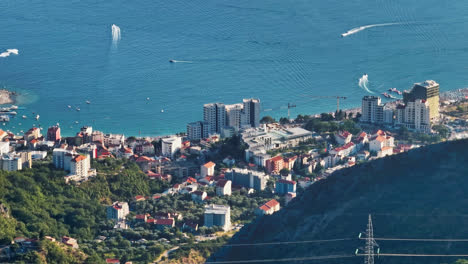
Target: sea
280,51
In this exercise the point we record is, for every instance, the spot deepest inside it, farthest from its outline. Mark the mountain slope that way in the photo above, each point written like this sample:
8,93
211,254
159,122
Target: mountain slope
420,194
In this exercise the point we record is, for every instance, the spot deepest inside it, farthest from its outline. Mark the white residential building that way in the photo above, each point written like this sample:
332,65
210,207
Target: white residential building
343,137
215,115
223,187
198,130
171,145
380,141
207,169
118,211
233,116
415,115
371,109
4,147
218,215
11,162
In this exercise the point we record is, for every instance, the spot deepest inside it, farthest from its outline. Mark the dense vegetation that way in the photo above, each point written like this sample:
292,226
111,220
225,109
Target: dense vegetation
420,194
39,203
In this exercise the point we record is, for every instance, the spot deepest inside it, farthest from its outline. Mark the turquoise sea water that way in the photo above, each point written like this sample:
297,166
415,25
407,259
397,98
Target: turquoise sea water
277,50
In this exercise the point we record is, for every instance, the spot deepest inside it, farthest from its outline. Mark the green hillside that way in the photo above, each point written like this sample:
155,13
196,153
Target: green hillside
420,194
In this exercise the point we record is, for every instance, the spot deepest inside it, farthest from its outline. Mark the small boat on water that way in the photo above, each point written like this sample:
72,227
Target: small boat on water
172,61
14,107
24,117
88,102
37,117
162,110
395,91
4,118
147,98
386,95
78,109
76,122
69,106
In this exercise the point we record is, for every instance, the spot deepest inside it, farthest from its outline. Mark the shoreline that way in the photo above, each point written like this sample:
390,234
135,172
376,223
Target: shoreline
9,97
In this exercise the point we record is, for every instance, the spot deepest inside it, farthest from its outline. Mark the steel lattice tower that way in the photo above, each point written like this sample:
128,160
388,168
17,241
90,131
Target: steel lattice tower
370,243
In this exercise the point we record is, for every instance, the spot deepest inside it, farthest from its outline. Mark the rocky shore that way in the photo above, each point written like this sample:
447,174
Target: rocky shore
7,97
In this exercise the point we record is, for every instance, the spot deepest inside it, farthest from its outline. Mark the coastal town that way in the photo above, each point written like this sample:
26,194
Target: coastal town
230,168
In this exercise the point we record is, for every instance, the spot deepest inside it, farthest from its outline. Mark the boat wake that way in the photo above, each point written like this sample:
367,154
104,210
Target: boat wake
8,52
361,28
115,34
364,83
179,61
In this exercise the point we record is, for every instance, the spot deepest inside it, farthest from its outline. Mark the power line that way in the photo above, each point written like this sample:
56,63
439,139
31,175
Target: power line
422,239
415,255
283,259
281,242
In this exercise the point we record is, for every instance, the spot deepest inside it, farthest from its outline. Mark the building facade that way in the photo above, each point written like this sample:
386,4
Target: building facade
428,91
53,133
218,215
215,115
251,112
170,146
198,130
247,178
415,115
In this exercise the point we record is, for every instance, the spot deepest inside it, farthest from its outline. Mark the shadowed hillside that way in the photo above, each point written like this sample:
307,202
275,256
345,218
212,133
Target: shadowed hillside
420,194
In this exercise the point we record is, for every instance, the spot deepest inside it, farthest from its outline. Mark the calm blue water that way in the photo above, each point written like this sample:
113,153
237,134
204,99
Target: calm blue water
277,50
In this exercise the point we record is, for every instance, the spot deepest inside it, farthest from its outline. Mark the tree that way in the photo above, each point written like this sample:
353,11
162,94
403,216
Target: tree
442,130
284,120
284,171
7,230
267,120
403,132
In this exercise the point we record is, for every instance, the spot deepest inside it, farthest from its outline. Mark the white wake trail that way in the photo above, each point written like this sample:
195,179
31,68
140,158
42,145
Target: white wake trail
8,52
361,28
115,34
364,82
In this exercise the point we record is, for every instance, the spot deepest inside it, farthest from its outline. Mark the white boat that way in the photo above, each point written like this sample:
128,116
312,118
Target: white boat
37,117
14,107
69,106
147,98
78,109
88,102
76,122
4,118
24,117
162,110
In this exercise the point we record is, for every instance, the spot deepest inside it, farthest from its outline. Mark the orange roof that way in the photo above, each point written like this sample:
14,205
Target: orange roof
79,158
380,139
277,158
272,203
209,165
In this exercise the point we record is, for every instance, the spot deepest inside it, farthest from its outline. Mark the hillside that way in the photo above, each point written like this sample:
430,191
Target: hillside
419,194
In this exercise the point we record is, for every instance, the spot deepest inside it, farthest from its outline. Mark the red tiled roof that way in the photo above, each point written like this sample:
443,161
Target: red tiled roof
209,164
346,146
140,216
221,183
277,158
272,203
343,134
168,222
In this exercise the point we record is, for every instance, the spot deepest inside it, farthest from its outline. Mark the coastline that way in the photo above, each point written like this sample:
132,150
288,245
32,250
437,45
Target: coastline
7,97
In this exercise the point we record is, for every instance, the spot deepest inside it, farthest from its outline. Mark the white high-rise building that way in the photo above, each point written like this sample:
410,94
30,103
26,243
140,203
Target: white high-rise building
80,166
233,115
11,162
251,112
198,130
415,115
171,145
372,110
218,215
215,115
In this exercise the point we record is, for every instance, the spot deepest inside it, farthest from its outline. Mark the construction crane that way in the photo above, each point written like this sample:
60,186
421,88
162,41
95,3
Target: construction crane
289,106
336,97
